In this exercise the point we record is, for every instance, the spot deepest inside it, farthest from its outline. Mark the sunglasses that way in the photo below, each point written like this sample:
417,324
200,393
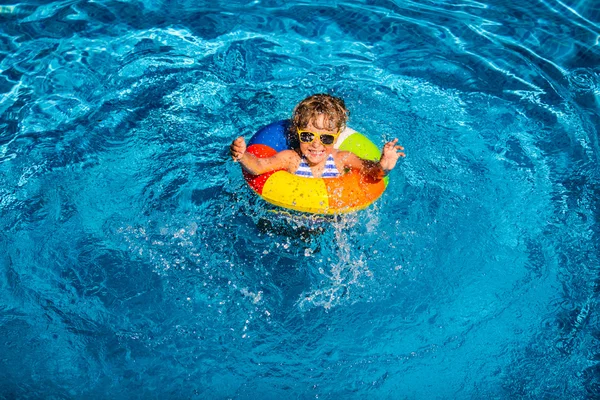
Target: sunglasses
309,137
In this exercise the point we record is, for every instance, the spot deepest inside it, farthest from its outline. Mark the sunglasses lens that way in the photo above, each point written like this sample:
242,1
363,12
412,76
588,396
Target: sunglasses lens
327,139
306,137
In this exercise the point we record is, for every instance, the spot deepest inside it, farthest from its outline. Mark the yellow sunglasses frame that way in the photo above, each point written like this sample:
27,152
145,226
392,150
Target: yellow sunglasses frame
319,135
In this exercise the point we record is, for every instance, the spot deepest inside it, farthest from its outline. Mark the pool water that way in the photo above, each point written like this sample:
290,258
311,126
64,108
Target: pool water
136,263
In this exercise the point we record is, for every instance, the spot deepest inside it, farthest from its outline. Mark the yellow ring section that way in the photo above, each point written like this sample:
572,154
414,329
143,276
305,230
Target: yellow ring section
302,194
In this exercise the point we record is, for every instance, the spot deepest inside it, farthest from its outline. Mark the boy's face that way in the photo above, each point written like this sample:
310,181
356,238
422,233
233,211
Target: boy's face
316,152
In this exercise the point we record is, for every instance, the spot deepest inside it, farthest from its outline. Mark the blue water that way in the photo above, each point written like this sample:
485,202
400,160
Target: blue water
135,262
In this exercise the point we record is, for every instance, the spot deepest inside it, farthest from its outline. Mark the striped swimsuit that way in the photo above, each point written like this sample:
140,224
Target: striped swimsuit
330,170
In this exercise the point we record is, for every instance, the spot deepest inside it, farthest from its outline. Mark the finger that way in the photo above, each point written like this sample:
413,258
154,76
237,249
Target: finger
399,148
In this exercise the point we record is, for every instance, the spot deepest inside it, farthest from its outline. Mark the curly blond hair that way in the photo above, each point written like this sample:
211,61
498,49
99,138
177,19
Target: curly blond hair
332,108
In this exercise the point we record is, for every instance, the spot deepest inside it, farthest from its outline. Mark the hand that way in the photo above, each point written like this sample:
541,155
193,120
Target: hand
390,155
238,148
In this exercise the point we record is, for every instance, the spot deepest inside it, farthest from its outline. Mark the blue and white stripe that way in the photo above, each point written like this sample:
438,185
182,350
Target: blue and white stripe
330,170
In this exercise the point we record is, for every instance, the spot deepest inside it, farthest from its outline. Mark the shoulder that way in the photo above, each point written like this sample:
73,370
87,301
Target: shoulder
288,154
347,159
290,159
345,156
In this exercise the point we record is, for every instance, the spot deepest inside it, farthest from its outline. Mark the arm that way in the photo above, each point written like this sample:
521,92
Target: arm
377,170
255,165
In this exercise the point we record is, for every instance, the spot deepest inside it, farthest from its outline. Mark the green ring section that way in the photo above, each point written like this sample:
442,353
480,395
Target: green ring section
358,144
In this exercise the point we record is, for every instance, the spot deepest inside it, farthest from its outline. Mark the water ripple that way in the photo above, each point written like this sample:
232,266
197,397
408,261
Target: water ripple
137,259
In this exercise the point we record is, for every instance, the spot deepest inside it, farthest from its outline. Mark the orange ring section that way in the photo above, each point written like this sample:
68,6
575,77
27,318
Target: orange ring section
351,192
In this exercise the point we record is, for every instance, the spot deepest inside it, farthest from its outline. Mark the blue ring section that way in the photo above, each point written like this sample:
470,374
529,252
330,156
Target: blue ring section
273,135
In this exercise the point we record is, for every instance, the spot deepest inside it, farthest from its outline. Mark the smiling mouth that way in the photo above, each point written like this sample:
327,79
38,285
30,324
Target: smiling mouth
316,153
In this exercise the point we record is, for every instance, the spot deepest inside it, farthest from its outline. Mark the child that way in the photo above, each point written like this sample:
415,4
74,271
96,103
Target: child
317,121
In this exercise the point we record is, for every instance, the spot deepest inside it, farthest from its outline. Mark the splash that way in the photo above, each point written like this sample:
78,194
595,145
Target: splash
347,273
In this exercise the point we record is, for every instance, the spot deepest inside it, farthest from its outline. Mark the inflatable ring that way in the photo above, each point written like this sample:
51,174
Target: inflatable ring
347,193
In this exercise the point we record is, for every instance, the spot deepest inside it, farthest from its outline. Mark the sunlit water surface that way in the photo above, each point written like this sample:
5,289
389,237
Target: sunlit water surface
135,262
